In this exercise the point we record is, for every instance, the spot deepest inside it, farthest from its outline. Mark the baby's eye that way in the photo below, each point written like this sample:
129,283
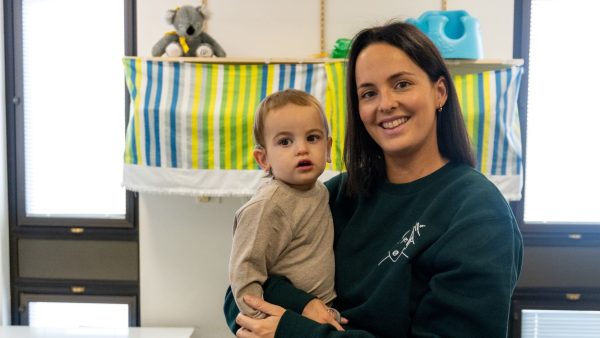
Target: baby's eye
313,138
284,142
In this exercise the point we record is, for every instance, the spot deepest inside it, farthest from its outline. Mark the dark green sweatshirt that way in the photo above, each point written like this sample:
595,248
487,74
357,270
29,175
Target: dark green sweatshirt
437,257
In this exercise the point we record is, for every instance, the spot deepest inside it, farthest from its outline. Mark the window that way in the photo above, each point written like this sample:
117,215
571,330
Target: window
556,314
561,178
69,115
562,114
557,294
73,230
51,311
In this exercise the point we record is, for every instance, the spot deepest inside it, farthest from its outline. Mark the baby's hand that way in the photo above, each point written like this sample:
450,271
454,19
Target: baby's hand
321,313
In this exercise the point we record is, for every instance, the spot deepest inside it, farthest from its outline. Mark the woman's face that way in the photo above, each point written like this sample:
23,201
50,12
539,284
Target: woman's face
397,103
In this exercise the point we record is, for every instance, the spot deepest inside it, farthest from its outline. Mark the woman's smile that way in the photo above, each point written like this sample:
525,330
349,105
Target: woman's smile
394,123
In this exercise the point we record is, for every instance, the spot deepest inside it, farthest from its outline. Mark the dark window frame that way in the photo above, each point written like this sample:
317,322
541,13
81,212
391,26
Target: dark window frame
22,227
18,220
118,294
548,234
585,299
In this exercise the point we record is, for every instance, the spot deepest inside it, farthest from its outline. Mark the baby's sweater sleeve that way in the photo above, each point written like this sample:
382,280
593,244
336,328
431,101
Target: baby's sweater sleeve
262,232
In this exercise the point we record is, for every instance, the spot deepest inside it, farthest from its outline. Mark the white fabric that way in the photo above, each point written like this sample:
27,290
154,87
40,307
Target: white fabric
215,183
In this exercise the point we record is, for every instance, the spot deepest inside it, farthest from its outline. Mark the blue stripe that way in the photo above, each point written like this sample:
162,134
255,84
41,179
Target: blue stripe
133,75
517,89
263,87
281,76
146,108
292,75
309,75
173,115
497,75
133,96
481,113
159,84
505,119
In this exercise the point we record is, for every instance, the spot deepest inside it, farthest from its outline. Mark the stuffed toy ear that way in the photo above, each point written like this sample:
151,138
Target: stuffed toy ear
203,11
170,15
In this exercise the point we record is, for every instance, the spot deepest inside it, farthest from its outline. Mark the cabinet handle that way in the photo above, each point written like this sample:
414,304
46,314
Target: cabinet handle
77,289
573,296
77,230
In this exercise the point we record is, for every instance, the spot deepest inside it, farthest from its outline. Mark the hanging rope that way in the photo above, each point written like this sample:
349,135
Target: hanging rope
204,4
322,29
444,5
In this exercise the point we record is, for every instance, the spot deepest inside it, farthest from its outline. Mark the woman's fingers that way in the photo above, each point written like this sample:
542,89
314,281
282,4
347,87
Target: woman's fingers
263,306
243,333
245,322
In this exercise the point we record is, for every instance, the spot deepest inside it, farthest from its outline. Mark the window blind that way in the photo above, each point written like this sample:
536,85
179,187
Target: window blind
560,324
77,315
563,114
73,100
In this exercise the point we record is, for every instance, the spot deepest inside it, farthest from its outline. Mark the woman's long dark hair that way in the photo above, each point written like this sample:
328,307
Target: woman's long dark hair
363,157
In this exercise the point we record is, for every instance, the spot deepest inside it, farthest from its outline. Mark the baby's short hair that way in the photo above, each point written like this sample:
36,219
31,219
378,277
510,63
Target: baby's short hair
278,100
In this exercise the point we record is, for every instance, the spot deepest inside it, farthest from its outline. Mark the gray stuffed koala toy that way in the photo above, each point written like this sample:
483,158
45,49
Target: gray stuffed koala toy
189,38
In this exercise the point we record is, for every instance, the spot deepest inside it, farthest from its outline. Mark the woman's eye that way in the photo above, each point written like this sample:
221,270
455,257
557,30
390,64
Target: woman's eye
313,138
284,142
401,84
367,94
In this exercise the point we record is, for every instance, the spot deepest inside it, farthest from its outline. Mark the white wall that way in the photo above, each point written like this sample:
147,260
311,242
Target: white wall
184,244
4,252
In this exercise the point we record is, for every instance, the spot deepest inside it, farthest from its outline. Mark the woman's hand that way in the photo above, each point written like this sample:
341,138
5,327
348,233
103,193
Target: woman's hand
318,311
259,328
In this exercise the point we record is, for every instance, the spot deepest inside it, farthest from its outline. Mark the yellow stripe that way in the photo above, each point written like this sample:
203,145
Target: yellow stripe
330,109
195,109
239,115
270,79
458,85
138,84
470,106
227,115
341,114
252,105
486,122
211,115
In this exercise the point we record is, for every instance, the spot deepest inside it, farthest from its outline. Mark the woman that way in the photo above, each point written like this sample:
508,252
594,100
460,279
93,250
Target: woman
425,246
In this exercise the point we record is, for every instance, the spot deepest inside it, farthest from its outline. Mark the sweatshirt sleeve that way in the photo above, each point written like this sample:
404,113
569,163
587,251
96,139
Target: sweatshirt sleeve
293,325
277,290
262,231
473,275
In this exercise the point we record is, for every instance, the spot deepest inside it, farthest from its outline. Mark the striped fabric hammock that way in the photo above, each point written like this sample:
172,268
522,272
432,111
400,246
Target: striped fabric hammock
190,128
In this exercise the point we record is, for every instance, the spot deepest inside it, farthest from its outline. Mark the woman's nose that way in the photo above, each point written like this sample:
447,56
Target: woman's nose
386,101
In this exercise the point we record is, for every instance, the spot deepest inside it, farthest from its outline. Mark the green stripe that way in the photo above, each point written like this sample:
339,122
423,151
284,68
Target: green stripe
224,90
234,109
208,92
245,146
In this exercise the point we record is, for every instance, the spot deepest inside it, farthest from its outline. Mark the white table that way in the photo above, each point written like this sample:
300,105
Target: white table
132,332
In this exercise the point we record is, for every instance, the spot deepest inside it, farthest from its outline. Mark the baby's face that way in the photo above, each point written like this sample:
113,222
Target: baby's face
297,147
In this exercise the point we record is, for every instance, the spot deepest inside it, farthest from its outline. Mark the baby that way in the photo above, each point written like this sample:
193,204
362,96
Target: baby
286,228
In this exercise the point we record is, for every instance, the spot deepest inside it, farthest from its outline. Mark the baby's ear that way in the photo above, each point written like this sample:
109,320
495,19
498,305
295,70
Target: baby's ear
260,155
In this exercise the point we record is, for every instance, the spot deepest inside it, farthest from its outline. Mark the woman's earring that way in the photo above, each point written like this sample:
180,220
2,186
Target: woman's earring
439,110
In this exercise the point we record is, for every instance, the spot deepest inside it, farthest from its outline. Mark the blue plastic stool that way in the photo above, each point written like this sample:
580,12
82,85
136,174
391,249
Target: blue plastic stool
455,33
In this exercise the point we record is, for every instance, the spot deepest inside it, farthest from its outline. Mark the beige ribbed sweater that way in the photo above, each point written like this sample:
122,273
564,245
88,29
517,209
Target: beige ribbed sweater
283,231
